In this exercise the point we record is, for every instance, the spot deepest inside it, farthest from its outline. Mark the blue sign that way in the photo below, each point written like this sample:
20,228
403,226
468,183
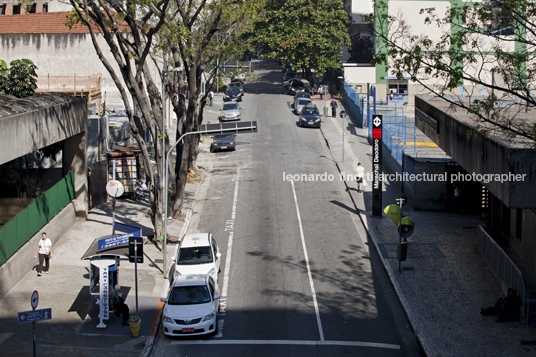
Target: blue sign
122,239
114,241
35,315
462,90
482,90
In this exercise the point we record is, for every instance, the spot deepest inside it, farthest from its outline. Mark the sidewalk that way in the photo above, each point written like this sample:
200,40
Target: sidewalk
71,331
444,282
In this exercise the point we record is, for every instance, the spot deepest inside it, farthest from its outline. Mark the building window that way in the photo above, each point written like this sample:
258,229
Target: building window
16,9
31,8
3,9
45,7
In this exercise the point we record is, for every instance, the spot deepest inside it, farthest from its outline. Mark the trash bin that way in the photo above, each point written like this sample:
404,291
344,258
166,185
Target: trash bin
135,324
401,251
326,111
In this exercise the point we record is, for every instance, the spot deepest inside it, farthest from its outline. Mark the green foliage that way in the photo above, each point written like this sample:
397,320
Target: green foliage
487,47
19,80
304,33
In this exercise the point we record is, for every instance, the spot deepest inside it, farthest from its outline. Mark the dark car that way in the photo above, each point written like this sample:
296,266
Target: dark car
297,85
301,95
238,85
289,75
223,142
310,116
233,94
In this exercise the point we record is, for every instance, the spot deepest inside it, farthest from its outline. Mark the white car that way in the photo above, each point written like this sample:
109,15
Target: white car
198,254
192,306
301,103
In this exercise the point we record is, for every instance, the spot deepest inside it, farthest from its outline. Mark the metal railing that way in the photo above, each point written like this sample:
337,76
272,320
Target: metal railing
504,266
15,233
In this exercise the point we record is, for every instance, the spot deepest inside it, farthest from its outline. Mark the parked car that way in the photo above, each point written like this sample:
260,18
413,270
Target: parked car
238,85
223,142
301,95
233,94
290,74
230,111
198,254
239,80
192,306
310,116
301,103
297,85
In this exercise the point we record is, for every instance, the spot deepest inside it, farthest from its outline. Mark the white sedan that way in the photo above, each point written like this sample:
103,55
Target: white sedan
192,306
198,254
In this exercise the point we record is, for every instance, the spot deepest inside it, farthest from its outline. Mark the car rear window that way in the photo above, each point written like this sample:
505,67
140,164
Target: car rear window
194,255
187,295
310,111
303,102
229,106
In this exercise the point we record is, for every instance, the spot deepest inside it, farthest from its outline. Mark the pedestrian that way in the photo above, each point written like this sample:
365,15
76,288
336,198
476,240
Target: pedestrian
321,91
359,176
391,96
44,248
456,201
210,97
117,303
334,106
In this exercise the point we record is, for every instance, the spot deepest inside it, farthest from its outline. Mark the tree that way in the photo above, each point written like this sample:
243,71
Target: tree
306,34
486,48
181,33
19,80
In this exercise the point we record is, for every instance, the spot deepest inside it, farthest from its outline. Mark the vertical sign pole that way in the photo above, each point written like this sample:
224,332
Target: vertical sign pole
33,323
136,275
342,126
377,165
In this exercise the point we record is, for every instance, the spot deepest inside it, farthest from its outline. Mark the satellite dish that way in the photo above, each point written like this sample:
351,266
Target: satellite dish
115,188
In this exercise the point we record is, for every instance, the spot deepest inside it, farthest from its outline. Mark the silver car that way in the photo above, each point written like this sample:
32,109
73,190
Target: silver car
230,111
301,103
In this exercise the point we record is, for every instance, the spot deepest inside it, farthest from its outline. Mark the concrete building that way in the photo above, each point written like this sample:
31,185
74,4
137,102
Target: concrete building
14,7
66,58
28,125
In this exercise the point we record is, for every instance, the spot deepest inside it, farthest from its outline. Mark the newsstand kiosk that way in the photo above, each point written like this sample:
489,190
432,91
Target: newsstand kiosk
105,255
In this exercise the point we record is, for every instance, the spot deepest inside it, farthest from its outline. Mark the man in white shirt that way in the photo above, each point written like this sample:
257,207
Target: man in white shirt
359,176
44,248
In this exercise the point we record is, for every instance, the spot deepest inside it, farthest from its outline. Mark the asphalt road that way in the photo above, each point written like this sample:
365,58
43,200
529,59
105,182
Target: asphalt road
297,277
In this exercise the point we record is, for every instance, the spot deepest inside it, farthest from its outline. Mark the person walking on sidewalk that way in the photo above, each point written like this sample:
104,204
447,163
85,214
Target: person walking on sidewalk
359,176
334,106
44,248
210,97
321,91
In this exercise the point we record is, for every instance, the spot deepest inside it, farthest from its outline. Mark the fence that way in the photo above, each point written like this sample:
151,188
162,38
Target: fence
15,233
504,266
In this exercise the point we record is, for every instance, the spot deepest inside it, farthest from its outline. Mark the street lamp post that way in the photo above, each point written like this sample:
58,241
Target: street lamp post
164,166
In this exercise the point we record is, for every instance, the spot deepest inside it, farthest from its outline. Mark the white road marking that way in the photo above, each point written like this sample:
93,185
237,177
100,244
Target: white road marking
317,312
287,342
229,227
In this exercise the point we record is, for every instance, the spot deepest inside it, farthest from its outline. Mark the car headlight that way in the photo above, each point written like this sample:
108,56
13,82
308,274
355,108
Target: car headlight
209,316
168,319
317,120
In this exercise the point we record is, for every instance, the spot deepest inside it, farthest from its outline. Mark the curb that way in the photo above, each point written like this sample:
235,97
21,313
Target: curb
149,343
421,340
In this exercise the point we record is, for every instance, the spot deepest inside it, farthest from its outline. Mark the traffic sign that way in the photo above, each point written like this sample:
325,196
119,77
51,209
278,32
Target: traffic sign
34,315
35,299
401,199
134,254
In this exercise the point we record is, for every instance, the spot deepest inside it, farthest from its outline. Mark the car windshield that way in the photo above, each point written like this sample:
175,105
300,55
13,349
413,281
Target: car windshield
222,137
230,106
233,90
310,111
298,84
303,102
194,255
187,295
